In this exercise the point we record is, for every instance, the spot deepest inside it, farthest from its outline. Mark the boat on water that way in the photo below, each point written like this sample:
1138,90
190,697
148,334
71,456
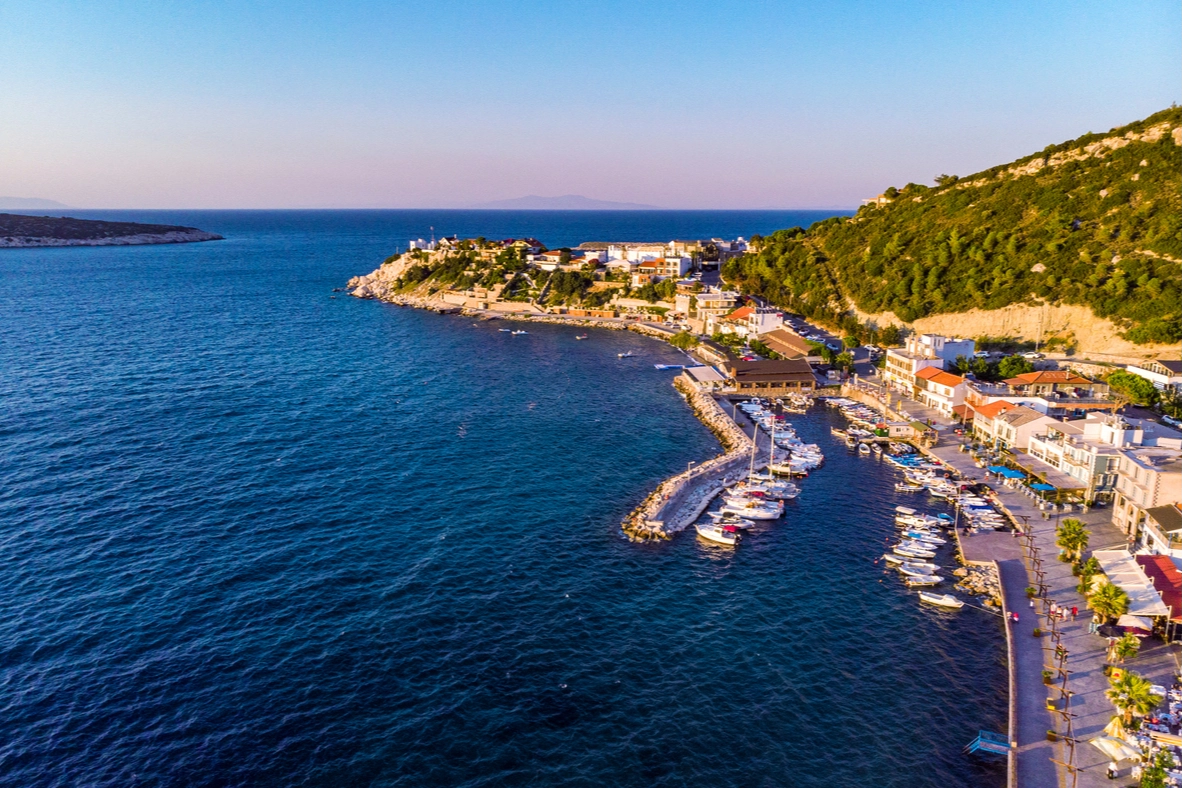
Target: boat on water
905,487
875,447
719,534
894,560
628,354
941,600
519,332
727,519
926,580
907,570
912,552
924,536
864,448
505,330
929,567
751,511
851,442
581,336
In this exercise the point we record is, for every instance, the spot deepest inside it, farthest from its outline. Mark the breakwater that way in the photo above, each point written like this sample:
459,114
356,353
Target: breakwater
680,499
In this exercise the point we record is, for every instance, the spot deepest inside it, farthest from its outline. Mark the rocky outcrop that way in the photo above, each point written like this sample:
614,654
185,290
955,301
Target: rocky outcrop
139,239
980,581
19,231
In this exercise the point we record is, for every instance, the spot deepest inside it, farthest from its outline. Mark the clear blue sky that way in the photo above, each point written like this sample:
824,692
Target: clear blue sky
437,104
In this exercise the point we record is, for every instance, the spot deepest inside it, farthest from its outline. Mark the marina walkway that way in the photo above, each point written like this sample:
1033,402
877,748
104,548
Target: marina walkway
1089,707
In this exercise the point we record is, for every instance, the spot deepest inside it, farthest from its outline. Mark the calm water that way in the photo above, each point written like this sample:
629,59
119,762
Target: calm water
255,535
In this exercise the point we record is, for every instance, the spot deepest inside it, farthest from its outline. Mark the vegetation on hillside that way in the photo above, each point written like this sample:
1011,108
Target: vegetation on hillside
1082,222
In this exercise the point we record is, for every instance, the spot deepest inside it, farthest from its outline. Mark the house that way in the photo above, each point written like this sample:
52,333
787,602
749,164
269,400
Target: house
785,343
525,246
941,390
713,353
1089,449
1006,425
747,321
671,266
1163,532
1147,476
714,302
921,352
1163,373
1055,381
769,378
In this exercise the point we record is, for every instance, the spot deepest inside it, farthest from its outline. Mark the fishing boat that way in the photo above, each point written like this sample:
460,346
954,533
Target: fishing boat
851,443
719,534
941,600
907,570
628,354
864,448
928,567
875,447
926,580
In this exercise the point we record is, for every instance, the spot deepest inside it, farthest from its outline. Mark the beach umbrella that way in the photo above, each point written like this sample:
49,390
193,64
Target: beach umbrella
1115,728
1116,749
1110,631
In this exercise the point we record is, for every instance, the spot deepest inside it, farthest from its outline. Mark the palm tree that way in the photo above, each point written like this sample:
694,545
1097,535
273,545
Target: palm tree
1132,696
1125,648
1073,537
1109,602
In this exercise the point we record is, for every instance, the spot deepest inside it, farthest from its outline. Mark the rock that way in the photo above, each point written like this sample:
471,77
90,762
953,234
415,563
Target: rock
960,572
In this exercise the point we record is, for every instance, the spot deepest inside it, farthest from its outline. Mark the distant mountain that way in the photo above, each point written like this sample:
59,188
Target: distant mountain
29,204
567,202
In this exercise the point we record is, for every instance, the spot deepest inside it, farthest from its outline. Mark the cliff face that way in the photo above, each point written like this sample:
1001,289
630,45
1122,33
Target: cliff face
20,231
1092,222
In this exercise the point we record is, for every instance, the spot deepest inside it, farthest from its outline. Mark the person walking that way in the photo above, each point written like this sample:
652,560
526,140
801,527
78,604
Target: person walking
1074,611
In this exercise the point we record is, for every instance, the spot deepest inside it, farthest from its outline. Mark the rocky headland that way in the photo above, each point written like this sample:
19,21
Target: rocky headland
18,231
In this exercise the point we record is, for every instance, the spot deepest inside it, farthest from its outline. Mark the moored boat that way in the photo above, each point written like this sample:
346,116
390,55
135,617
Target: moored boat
719,534
941,600
926,580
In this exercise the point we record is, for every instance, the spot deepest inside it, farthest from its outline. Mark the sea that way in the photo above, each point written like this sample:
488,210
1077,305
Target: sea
256,532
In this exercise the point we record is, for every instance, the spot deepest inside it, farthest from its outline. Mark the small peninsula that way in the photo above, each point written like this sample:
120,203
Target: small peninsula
20,231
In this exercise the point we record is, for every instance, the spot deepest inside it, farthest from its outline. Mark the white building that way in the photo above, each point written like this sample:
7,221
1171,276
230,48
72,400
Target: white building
938,389
1147,477
1164,373
937,346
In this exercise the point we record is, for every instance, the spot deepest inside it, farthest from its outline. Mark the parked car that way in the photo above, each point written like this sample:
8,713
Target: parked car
1032,355
982,354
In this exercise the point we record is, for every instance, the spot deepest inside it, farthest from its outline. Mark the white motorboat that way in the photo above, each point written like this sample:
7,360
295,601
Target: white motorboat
629,354
875,447
931,568
519,333
906,569
927,538
719,534
912,552
941,600
864,448
925,580
905,487
894,560
505,330
751,511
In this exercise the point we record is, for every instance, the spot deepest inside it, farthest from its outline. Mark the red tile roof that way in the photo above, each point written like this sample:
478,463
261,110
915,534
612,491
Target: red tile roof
741,313
938,375
994,408
1048,376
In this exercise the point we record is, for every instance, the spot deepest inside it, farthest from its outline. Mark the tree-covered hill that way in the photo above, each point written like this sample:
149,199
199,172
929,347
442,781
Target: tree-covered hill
1093,221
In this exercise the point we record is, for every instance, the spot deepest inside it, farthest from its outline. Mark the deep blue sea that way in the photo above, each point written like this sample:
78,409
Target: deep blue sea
254,534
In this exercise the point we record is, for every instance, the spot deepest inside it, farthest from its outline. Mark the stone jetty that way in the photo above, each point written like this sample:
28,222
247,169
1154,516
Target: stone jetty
680,499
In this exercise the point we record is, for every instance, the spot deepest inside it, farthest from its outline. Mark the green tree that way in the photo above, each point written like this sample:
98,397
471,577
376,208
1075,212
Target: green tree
1109,602
945,180
684,340
1169,402
1132,388
850,341
844,361
1072,537
1131,695
890,335
1013,366
1156,773
962,365
1125,647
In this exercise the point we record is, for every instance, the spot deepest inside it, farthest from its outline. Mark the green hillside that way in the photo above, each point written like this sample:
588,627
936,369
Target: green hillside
1093,221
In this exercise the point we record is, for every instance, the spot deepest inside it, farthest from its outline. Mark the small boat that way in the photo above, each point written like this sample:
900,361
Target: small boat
719,534
875,447
754,512
519,332
851,442
894,560
941,600
912,552
905,487
581,336
922,536
864,448
925,580
931,568
906,569
629,354
504,330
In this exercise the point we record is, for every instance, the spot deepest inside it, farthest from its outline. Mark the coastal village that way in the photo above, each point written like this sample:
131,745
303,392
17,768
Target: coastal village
1052,480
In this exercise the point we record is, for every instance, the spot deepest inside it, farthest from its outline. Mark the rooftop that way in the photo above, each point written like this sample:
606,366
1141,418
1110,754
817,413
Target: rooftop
786,369
994,408
1058,376
940,377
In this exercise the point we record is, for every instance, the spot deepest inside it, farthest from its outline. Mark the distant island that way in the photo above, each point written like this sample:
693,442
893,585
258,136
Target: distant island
566,202
29,204
18,231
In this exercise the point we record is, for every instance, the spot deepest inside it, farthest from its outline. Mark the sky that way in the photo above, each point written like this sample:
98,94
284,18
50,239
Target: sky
446,104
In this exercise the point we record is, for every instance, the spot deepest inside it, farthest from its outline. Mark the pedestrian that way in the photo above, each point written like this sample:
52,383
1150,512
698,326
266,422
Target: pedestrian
1074,612
1031,603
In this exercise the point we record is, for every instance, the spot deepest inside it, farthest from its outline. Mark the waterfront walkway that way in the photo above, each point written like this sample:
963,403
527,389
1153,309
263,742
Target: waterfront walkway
1087,704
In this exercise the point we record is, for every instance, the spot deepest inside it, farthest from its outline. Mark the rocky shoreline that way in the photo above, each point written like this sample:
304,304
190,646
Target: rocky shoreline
140,239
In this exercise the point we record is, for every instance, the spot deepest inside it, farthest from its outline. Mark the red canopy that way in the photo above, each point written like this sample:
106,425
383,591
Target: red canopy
1167,580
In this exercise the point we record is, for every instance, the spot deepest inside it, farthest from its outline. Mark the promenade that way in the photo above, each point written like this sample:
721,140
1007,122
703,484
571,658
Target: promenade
1090,710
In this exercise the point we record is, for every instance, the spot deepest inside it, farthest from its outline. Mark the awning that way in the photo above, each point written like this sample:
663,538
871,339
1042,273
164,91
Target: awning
1009,473
1138,622
1116,749
1125,573
1041,487
997,468
1168,582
